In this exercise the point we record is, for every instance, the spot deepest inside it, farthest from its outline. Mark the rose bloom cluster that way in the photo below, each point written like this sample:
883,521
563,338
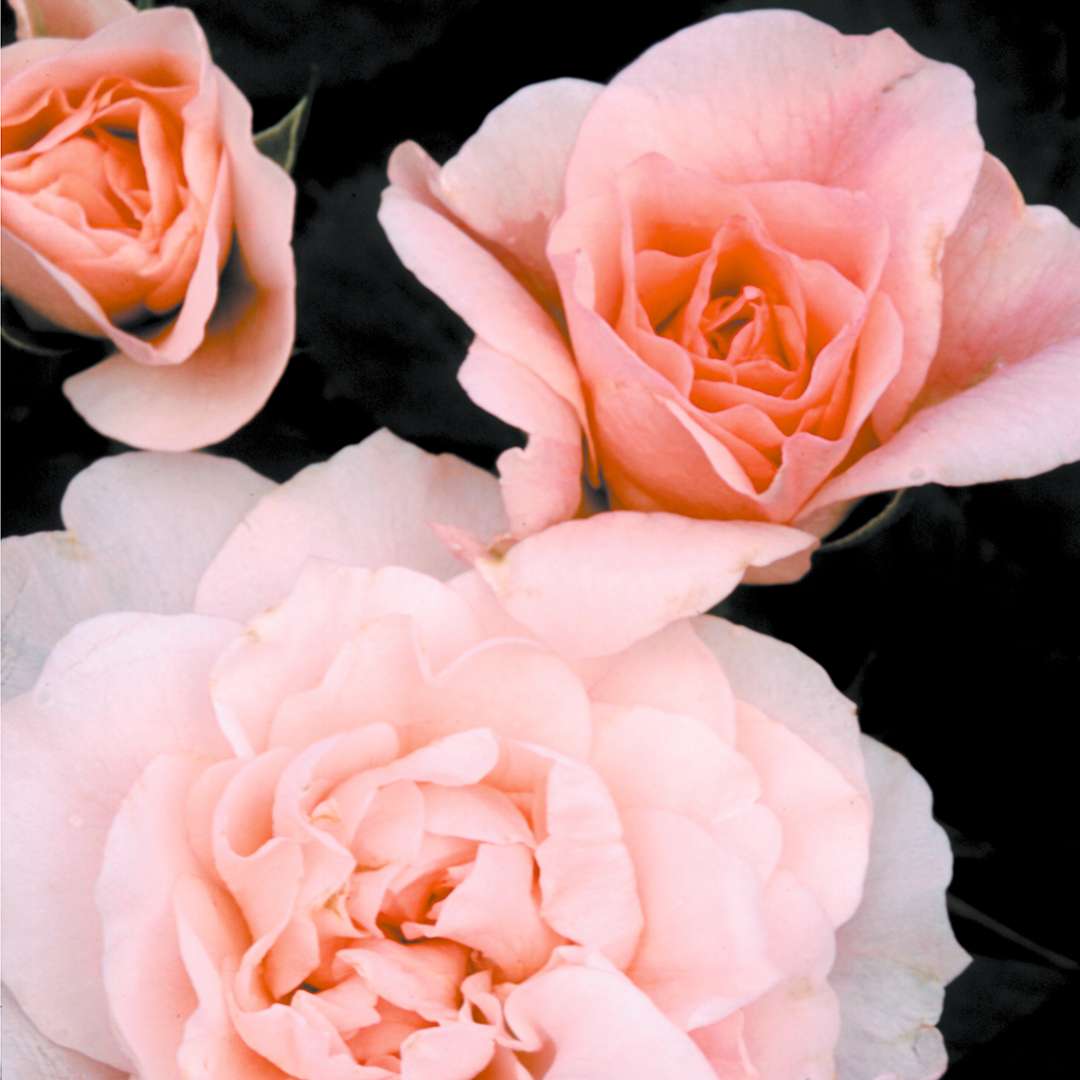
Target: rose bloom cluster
137,209
290,796
768,270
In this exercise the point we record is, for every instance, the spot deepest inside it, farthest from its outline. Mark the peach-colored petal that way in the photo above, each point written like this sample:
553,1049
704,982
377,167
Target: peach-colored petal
807,1013
453,1052
370,680
566,583
370,505
288,650
673,671
1012,284
478,287
790,689
495,911
20,55
691,771
862,122
116,691
587,885
505,183
475,813
541,485
66,18
544,705
57,296
212,936
1008,369
898,952
28,1054
149,993
141,529
421,976
216,390
593,1021
826,821
686,881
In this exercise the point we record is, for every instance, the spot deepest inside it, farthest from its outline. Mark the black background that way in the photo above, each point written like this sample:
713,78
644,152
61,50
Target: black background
957,630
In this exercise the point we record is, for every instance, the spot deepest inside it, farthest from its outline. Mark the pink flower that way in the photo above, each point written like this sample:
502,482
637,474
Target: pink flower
290,799
764,272
137,208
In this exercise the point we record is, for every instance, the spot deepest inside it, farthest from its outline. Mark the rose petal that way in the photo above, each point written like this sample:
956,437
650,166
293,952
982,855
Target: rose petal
28,1055
541,485
825,820
505,182
663,761
453,1052
566,583
673,671
66,18
1009,362
212,936
790,689
593,1021
149,993
686,880
495,911
117,691
587,886
369,505
898,952
141,530
807,1013
289,649
421,977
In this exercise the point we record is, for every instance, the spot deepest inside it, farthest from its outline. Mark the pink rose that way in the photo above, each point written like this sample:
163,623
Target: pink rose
137,208
764,272
337,815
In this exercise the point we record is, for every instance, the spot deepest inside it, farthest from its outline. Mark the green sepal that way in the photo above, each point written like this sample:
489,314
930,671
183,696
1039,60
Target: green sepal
281,142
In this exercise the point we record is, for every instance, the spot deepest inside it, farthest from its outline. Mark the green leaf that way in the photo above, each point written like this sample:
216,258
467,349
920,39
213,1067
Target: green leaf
281,143
893,510
143,5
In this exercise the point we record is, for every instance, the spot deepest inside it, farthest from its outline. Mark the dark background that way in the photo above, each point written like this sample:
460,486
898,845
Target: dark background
957,630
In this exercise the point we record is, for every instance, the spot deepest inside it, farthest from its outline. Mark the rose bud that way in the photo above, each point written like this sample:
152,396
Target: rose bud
137,208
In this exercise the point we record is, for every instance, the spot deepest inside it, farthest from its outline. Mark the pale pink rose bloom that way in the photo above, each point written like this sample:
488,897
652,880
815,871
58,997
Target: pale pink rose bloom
295,798
137,208
766,271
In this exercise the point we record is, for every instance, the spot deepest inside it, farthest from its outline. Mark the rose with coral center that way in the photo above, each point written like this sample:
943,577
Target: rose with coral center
94,171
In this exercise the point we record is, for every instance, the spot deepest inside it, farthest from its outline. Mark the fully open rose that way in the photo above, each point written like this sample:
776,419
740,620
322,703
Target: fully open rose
764,272
312,806
136,208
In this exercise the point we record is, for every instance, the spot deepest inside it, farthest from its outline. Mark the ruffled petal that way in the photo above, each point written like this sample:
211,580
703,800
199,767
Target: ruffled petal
66,18
898,952
1004,391
116,692
370,505
596,586
28,1055
593,1021
142,528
